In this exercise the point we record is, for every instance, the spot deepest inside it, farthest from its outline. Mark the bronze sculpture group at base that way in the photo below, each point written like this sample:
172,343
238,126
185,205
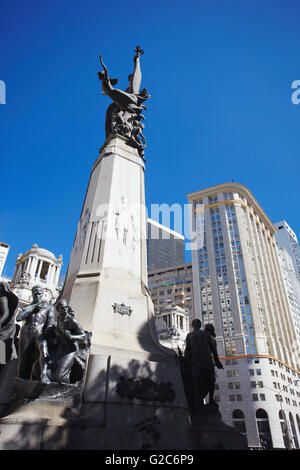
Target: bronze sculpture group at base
51,347
54,347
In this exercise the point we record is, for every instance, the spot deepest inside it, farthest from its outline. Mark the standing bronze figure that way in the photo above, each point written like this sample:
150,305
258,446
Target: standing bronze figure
201,357
38,324
72,344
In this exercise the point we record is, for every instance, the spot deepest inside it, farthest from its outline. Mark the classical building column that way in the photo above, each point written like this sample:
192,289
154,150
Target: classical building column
50,274
33,267
57,271
40,268
29,264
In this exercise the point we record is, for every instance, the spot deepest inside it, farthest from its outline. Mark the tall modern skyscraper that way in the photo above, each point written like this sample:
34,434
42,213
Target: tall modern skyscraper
286,237
238,286
4,248
289,259
165,247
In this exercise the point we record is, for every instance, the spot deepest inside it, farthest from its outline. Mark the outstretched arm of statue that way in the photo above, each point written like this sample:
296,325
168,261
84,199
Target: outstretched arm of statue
142,138
76,333
104,68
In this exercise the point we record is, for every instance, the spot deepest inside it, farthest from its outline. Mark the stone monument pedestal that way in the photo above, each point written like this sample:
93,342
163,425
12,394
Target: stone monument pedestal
43,423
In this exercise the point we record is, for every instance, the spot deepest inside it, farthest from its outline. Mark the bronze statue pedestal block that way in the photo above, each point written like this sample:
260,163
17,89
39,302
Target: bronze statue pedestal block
209,432
27,390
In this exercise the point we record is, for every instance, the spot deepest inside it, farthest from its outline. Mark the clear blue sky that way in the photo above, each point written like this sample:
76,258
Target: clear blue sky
220,76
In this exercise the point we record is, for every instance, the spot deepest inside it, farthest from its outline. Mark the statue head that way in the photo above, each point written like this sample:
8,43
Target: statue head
37,293
196,324
62,307
211,329
123,200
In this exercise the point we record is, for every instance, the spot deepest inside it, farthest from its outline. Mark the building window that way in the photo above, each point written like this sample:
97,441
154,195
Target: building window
284,430
238,421
212,199
294,434
44,271
263,427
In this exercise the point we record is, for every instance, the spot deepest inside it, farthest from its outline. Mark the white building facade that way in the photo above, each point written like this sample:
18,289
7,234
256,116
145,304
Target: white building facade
238,287
172,326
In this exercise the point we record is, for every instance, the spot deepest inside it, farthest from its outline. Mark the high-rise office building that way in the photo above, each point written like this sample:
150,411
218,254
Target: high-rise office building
286,237
4,248
238,286
172,286
290,273
165,247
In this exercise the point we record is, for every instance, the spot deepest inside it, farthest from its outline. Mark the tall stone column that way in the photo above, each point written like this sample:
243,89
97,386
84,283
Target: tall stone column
108,259
106,285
